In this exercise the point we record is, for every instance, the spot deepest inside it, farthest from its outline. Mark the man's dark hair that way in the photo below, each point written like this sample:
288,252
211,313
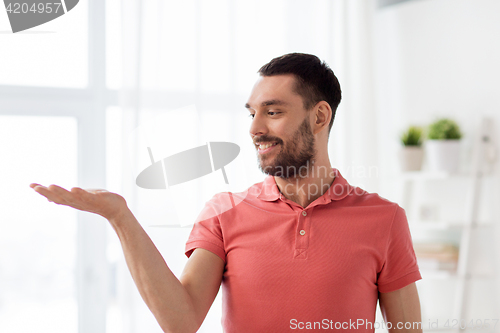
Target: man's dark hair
315,80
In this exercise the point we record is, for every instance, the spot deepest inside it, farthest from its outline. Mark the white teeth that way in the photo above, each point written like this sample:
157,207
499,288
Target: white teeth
267,146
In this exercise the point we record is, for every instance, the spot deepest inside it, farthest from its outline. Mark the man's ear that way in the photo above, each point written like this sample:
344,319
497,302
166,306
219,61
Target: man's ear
322,114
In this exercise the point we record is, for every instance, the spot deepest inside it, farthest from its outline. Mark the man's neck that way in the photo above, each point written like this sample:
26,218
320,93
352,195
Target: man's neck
304,190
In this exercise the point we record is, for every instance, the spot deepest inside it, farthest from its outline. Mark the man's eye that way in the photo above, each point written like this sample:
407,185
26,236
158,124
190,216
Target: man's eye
271,113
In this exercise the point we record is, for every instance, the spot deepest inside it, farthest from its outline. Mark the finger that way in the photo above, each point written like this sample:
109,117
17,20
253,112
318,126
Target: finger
80,192
62,192
66,196
50,195
95,190
77,190
33,185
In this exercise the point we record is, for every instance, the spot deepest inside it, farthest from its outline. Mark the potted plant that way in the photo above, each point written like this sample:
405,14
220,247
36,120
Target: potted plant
412,154
443,146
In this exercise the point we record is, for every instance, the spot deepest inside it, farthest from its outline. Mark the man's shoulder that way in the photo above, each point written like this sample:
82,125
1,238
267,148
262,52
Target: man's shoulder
373,207
361,197
230,199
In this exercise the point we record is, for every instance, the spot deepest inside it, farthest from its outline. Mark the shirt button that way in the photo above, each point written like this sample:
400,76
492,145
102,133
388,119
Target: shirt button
302,232
304,213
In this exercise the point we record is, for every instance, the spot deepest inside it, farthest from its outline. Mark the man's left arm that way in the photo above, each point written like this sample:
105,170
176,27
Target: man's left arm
402,309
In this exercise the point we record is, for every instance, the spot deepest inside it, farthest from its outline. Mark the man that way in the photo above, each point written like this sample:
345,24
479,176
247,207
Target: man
302,250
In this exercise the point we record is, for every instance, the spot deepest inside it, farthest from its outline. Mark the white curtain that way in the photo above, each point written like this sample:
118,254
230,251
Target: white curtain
187,68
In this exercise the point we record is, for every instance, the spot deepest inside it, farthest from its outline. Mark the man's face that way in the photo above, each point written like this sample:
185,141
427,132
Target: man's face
280,127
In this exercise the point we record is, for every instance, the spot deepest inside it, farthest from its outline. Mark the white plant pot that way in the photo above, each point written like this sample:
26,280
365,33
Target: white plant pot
410,158
443,155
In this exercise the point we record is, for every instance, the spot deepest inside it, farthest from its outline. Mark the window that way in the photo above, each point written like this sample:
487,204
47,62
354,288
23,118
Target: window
37,240
52,55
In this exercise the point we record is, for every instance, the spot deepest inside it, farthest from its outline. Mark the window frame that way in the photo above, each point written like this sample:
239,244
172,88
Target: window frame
88,106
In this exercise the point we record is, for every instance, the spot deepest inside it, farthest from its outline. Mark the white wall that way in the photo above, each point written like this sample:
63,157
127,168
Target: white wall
438,58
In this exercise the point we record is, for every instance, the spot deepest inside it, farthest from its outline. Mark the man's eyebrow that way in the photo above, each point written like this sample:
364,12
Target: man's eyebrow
269,103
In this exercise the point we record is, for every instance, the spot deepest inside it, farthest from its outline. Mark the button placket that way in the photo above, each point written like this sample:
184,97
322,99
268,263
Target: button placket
302,236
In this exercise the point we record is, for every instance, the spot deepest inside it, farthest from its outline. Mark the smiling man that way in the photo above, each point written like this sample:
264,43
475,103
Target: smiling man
303,249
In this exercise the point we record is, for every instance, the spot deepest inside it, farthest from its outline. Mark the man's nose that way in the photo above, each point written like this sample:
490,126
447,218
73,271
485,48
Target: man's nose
258,126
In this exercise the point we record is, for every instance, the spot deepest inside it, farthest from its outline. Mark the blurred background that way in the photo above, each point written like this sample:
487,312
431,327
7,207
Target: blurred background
83,96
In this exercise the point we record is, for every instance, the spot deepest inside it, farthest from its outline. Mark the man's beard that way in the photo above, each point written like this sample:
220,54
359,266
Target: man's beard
289,162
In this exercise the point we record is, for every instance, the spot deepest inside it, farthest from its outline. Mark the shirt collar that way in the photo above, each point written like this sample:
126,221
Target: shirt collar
339,189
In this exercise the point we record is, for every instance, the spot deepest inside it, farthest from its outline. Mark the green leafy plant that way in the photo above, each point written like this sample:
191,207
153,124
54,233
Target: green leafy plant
444,129
412,136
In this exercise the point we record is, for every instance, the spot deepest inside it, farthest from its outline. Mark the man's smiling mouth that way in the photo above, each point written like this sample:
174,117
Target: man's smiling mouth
266,145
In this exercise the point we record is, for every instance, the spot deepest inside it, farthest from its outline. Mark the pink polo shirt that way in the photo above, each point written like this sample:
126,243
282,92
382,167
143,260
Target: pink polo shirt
317,268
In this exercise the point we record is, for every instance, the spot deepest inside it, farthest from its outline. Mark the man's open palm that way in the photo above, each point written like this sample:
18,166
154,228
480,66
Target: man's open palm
98,201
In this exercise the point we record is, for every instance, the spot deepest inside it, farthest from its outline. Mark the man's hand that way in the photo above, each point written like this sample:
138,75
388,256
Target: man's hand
179,306
107,204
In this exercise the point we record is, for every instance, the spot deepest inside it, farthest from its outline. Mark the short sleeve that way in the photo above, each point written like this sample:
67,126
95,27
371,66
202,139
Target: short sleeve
207,232
400,266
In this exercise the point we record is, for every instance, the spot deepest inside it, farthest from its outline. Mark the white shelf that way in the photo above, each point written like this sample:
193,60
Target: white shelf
428,175
442,274
436,225
414,188
444,226
438,274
